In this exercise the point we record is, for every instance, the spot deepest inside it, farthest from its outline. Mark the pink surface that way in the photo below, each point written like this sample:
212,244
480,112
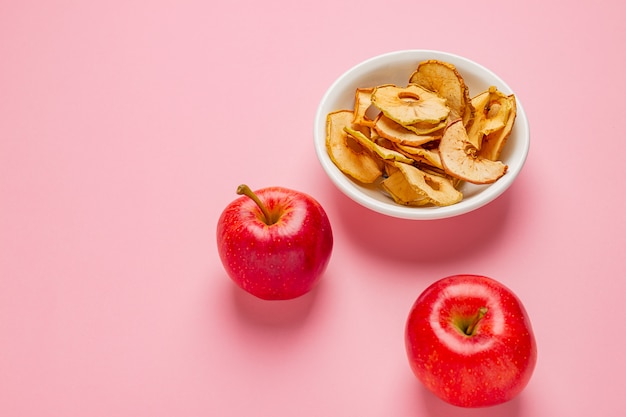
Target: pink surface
125,127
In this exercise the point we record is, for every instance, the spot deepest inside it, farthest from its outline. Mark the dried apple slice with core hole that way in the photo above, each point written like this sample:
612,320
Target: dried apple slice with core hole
444,79
410,105
395,132
429,156
492,110
385,153
439,190
493,143
362,103
428,128
459,159
346,153
402,192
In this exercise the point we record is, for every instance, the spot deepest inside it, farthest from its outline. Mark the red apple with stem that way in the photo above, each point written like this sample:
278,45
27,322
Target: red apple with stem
275,243
470,342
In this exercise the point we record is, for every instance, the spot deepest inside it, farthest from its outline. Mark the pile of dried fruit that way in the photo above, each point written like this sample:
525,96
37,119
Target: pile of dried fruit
420,142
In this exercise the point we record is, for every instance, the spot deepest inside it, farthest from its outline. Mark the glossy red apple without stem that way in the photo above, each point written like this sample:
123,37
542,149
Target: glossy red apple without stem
470,342
275,243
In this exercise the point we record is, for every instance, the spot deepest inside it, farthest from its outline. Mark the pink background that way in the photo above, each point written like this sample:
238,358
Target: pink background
125,127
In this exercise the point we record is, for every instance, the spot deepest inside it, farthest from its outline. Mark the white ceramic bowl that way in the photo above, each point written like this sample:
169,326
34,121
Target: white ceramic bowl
396,68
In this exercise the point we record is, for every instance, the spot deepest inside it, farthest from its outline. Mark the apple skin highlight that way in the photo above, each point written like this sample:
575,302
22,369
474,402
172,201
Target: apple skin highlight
490,365
279,258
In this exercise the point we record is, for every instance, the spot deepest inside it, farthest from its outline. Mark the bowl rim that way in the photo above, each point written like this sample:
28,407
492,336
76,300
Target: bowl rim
355,191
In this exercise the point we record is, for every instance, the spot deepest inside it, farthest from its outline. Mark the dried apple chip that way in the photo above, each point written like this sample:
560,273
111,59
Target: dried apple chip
402,192
386,154
492,110
410,105
493,143
349,156
444,79
420,154
428,128
362,103
395,132
459,159
439,190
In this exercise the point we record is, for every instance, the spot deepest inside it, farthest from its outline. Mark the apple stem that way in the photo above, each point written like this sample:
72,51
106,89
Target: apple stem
243,189
472,326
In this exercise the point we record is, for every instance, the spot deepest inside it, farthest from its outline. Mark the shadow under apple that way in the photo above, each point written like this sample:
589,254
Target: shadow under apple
280,314
435,407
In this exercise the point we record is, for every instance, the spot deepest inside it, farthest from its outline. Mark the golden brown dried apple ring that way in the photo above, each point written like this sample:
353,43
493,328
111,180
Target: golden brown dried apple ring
444,79
397,133
494,142
362,103
439,190
459,159
492,109
384,153
420,154
402,192
410,105
349,156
